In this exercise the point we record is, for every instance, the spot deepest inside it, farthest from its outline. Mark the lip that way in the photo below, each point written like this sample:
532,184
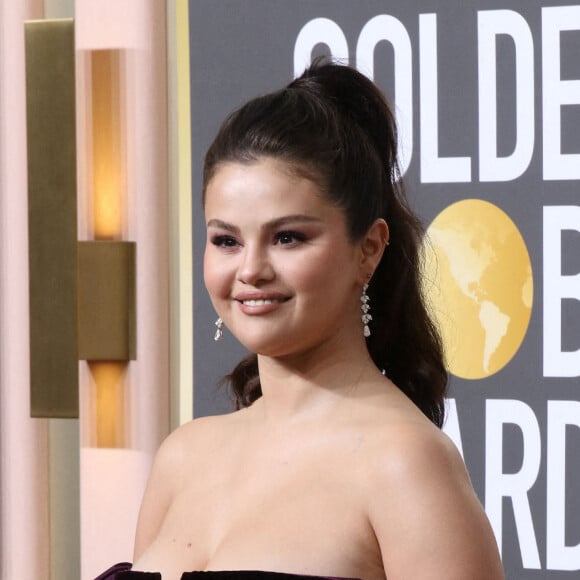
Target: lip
254,303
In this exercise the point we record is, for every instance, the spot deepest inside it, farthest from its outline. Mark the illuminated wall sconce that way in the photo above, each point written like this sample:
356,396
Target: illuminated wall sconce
82,294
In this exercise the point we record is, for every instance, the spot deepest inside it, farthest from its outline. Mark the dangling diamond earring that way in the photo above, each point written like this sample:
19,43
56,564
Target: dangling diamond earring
365,307
220,329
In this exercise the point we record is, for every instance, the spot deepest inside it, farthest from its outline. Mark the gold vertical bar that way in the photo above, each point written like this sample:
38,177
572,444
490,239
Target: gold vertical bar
52,207
180,230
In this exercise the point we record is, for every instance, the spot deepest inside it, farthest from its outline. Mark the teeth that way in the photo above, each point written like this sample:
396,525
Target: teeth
259,302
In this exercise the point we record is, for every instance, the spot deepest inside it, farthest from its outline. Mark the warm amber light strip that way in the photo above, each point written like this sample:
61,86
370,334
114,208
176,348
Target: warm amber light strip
107,165
109,399
108,211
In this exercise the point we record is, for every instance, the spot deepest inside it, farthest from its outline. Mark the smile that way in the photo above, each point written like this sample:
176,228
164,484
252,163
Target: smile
262,302
257,305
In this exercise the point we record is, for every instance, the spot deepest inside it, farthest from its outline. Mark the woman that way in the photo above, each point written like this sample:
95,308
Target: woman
334,465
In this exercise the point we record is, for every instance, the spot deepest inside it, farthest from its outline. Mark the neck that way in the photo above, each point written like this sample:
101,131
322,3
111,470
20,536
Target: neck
312,383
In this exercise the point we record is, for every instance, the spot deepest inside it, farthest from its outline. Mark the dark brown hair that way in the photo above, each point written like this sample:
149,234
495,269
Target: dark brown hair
333,125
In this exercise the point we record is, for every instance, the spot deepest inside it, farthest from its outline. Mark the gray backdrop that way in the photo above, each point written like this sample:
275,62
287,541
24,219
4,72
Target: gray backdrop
240,49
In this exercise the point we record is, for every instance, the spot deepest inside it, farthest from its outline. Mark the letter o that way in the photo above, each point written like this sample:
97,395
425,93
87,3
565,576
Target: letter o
318,31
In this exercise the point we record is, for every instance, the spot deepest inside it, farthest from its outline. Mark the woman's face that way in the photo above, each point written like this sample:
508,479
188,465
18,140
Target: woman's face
279,266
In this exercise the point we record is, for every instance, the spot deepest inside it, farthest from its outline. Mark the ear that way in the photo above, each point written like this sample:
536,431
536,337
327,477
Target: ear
372,247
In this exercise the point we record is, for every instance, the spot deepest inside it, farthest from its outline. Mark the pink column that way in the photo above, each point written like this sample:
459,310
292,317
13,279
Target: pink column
113,480
24,539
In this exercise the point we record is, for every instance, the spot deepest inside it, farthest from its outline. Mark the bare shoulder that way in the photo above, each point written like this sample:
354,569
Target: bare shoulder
193,436
181,444
414,449
423,509
176,457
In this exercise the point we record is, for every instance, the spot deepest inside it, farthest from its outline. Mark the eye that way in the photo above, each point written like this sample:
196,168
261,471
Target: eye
224,241
288,238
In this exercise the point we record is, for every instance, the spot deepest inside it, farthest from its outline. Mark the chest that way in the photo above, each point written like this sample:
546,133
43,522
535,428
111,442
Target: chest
301,514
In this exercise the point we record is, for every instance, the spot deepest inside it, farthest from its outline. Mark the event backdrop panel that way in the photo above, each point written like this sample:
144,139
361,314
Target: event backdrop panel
487,95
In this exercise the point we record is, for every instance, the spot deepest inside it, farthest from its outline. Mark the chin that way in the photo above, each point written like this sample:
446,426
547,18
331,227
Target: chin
266,349
276,339
267,344
285,347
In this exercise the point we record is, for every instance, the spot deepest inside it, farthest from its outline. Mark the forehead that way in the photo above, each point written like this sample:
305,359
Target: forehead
265,181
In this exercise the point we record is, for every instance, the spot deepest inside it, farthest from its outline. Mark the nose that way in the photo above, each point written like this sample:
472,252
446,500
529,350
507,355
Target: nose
255,266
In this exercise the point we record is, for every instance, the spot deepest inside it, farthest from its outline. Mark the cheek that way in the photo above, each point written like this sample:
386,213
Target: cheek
309,277
214,274
325,271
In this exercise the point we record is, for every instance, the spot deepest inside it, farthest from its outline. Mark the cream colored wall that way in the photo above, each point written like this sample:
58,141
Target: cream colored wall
59,8
44,499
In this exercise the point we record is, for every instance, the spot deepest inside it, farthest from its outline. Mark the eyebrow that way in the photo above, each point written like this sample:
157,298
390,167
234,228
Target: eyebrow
215,223
273,224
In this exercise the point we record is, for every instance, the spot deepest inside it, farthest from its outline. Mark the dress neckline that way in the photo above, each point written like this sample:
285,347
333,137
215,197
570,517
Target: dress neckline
123,571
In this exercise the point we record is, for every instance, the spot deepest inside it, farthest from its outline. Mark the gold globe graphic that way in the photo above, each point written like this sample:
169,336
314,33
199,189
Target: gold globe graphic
479,285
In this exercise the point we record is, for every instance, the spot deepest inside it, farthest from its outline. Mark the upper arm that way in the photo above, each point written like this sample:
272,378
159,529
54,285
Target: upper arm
161,486
426,517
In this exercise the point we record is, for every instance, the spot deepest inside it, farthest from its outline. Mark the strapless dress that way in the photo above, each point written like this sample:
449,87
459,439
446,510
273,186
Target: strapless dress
123,571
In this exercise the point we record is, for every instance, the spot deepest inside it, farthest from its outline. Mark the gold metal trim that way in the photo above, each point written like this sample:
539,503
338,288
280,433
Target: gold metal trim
51,133
107,301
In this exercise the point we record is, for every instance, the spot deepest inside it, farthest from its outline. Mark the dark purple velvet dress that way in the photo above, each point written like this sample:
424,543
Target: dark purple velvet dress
123,572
